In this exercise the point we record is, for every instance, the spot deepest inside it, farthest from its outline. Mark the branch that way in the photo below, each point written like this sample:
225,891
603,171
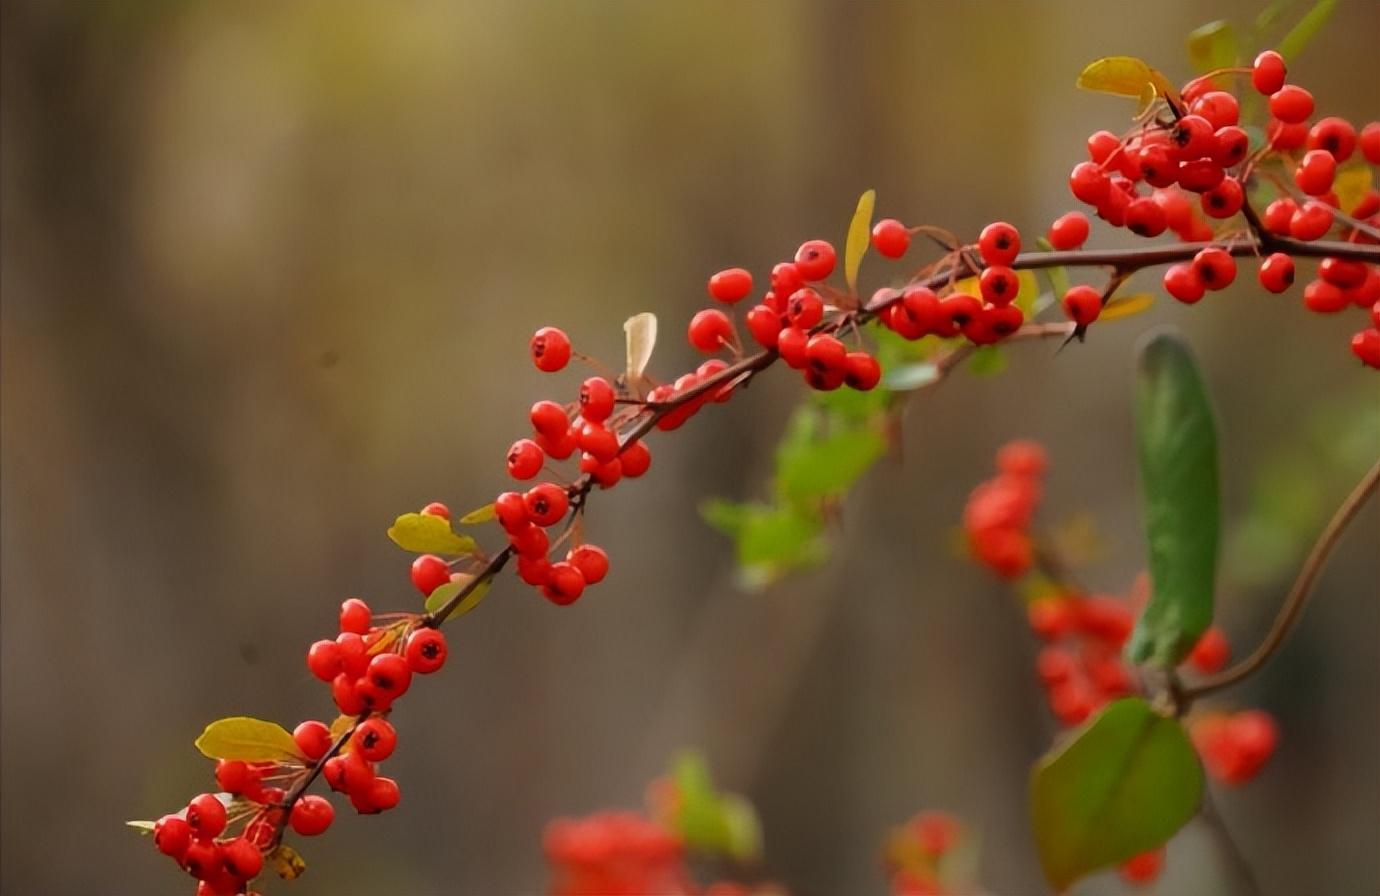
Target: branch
1298,596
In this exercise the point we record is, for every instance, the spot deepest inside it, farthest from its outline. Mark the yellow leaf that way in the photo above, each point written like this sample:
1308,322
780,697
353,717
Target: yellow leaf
340,726
479,515
252,740
1351,184
425,533
285,860
1025,297
859,233
1126,76
1126,306
641,332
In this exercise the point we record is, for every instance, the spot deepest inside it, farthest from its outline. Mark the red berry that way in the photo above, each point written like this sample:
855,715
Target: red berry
206,815
764,324
354,656
529,541
429,572
960,309
546,503
825,354
1283,135
534,570
558,447
355,616
599,441
1155,165
1144,868
1233,145
565,583
596,399
1200,175
1267,75
1278,214
1277,272
790,344
1051,618
1315,172
1219,107
1223,200
242,859
805,308
1365,345
922,312
234,775
550,349
815,260
1183,282
1324,298
345,693
525,459
511,510
1003,320
1191,137
1343,272
172,835
390,674
381,795
1291,104
1178,214
324,660
1215,267
1334,135
1311,221
731,285
1068,231
313,738
890,238
1083,304
1145,217
1211,653
861,371
549,419
1089,183
710,330
312,815
1370,142
374,739
999,284
636,459
425,651
591,561
786,278
436,508
999,243
605,474
1102,145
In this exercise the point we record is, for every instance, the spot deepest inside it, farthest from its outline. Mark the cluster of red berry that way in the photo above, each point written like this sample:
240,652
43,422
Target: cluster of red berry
916,852
193,838
1144,181
1235,746
998,513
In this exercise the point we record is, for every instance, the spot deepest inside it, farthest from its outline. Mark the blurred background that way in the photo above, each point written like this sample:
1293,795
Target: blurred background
269,271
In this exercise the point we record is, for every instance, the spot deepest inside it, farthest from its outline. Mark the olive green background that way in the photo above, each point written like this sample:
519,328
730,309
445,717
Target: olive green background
268,274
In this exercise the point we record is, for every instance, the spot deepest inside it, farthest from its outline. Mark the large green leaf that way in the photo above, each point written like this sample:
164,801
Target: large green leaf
1177,442
1123,785
1302,34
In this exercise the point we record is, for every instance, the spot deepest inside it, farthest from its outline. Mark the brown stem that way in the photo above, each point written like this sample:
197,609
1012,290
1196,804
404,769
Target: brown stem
1297,598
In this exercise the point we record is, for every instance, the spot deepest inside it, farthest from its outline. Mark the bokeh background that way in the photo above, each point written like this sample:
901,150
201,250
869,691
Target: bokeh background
268,274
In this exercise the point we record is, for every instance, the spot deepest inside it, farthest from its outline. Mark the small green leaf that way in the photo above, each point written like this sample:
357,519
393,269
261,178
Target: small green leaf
1213,46
425,533
770,540
987,360
744,829
143,827
859,234
1177,447
1302,34
699,819
1058,277
1123,785
479,515
823,467
909,377
252,740
438,598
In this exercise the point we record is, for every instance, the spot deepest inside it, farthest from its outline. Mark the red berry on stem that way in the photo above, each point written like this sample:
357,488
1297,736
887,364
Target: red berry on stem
546,503
1068,231
786,278
1370,142
764,324
1223,200
1083,304
890,238
1183,282
1365,345
550,349
311,815
825,354
861,371
1145,217
591,561
710,330
1215,267
999,284
172,836
1233,145
313,738
529,541
242,859
635,459
596,399
1211,653
1315,172
805,308
1277,272
389,673
206,815
374,739
999,243
1324,298
549,419
425,651
355,616
1334,135
1291,104
731,285
511,510
429,572
790,344
815,260
324,659
1268,72
565,584
1089,183
1311,221
525,459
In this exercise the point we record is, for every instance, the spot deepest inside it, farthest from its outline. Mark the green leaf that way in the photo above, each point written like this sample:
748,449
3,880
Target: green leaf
438,598
479,515
859,233
699,819
770,540
1058,277
909,377
143,827
1177,445
1127,76
1302,34
1123,785
425,533
1213,46
810,468
252,740
987,360
744,829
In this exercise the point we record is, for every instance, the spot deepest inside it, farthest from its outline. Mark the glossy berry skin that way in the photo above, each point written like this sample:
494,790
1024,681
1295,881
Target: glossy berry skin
1223,200
1312,221
1215,267
511,510
1232,146
425,651
324,660
535,571
1089,183
550,349
764,324
436,508
1068,231
390,674
861,371
1278,214
598,441
546,503
1191,137
530,541
549,419
710,330
1291,104
636,459
355,616
1324,298
1365,345
999,285
312,815
1268,72
1369,141
1211,653
1315,172
313,738
429,572
1277,272
1144,868
999,243
565,584
525,459
1183,282
597,399
786,278
374,739
825,354
732,285
890,238
206,815
1336,136
1145,217
804,309
815,260
172,836
234,775
242,859
1082,304
790,344
591,561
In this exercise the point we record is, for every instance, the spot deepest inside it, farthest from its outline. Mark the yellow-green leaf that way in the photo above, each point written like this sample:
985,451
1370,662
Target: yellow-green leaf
1127,306
1126,76
1213,46
143,827
859,232
340,725
640,330
1351,184
425,533
479,515
286,862
252,740
441,595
